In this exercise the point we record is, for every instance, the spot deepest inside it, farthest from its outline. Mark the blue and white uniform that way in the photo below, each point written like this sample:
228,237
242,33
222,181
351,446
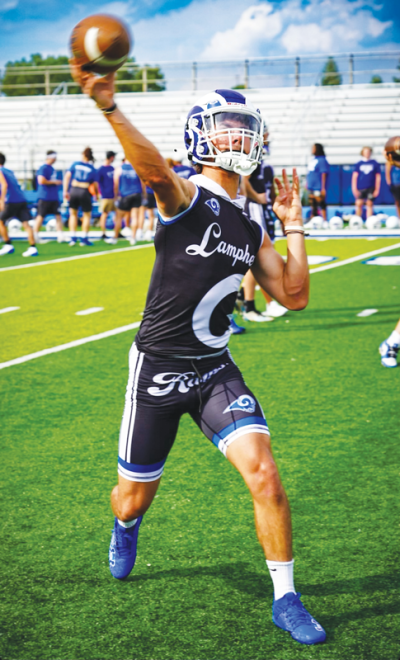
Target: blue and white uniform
179,362
84,173
130,188
262,181
317,166
367,171
47,194
105,177
15,202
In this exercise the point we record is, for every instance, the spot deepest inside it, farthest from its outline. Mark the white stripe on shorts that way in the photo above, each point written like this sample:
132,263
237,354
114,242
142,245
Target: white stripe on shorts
140,476
128,418
243,430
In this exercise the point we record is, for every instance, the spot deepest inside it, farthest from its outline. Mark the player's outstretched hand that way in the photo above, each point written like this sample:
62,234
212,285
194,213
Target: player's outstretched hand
100,89
287,205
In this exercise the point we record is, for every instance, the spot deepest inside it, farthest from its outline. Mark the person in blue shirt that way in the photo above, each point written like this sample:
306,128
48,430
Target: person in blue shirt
105,177
77,181
317,179
366,182
47,197
392,175
149,202
13,205
129,190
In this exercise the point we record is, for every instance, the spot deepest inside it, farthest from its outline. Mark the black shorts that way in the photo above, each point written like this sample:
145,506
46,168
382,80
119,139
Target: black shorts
16,210
48,207
160,390
130,202
80,198
366,193
263,215
151,201
395,190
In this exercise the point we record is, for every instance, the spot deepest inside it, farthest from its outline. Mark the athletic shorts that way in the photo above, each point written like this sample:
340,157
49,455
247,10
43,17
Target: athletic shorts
107,205
80,198
366,193
160,390
151,201
16,210
47,207
395,190
262,214
130,202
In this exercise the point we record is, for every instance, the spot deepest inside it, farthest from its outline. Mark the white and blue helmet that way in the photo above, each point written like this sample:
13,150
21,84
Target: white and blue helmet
227,113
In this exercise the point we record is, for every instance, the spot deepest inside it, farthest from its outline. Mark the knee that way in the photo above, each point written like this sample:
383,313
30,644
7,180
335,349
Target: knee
129,506
265,482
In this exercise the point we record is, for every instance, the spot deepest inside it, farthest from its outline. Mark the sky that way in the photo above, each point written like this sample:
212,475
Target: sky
196,30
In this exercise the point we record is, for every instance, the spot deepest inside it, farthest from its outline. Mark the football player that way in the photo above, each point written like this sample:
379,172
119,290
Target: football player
13,205
48,199
179,361
129,190
77,181
366,182
105,178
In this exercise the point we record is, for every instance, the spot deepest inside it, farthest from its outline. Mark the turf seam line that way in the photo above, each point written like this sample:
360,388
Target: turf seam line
75,257
352,260
125,328
70,344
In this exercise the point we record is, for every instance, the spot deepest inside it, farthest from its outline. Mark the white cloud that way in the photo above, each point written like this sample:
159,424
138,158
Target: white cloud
376,28
310,38
257,24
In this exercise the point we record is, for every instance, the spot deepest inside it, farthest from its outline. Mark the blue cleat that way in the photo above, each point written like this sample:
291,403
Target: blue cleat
123,547
290,614
388,354
85,241
234,328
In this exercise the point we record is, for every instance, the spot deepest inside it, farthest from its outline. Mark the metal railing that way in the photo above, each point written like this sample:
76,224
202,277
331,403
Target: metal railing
352,68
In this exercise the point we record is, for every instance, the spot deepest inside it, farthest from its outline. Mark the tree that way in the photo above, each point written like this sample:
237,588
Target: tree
36,81
331,75
376,80
394,77
132,71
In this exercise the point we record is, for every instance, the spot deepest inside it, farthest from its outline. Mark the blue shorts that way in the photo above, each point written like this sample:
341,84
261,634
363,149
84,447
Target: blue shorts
161,389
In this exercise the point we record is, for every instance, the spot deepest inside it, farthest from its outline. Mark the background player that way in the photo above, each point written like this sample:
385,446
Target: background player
317,179
13,205
129,189
177,364
390,347
105,178
47,195
392,175
366,182
76,189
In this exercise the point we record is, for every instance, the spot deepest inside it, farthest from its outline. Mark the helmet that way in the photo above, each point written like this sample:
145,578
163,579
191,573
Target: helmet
225,116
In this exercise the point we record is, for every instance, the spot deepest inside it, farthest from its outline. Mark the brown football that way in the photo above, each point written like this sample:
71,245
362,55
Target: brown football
392,150
101,43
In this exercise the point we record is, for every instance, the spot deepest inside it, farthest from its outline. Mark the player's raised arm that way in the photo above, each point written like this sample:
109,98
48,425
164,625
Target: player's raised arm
172,193
288,283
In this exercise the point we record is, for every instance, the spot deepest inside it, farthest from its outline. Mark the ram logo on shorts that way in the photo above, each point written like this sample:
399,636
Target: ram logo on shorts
245,403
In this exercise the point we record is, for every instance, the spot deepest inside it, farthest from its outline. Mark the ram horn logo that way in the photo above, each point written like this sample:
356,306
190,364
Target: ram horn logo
245,403
214,205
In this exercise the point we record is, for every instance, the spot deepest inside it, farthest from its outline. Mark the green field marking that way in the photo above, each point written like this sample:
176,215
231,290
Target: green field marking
200,589
49,298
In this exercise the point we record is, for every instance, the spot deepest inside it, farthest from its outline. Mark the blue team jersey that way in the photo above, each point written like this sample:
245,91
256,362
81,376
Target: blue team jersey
47,192
395,175
105,177
83,172
367,171
14,194
129,182
317,166
184,171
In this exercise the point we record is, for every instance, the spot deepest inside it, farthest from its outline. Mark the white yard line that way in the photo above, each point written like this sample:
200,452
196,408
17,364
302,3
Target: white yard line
8,309
132,326
367,312
90,310
71,344
74,258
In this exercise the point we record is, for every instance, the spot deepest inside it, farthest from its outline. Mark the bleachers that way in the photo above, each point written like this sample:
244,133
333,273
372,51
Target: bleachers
342,118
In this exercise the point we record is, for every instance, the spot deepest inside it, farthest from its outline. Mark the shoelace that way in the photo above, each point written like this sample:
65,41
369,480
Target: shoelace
392,352
297,614
123,543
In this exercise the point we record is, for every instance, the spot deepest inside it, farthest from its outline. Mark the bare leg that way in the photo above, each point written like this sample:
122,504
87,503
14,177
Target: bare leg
73,221
370,208
86,218
103,220
359,207
249,286
252,456
117,222
4,232
59,223
134,221
131,499
38,224
29,231
398,209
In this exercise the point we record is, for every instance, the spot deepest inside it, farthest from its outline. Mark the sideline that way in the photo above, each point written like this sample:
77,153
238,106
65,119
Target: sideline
132,326
75,257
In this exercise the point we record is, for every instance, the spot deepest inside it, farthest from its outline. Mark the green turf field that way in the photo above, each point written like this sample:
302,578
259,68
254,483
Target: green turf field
200,589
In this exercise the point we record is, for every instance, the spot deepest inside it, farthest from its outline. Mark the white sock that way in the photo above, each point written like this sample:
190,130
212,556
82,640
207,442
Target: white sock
394,339
282,577
128,524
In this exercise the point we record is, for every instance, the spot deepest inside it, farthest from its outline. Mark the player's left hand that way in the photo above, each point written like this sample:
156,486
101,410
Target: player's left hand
287,205
100,89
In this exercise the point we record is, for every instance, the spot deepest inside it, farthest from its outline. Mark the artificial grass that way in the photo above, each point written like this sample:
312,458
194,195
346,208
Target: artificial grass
200,589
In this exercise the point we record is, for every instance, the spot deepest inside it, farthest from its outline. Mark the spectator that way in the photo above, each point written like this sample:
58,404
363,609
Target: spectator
366,182
105,177
317,178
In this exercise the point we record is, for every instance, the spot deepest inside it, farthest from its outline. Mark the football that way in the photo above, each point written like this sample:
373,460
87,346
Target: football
392,150
101,43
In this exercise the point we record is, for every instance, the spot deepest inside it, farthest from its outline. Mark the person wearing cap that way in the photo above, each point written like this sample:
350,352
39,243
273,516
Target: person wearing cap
105,175
48,201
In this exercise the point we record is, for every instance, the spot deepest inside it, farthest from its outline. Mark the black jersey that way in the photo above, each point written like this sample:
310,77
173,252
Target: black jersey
262,180
201,258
